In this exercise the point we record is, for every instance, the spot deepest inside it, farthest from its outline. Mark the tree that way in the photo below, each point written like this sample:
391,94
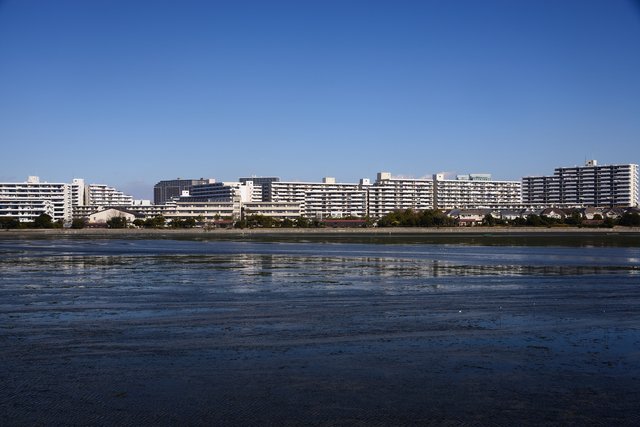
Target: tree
176,222
189,223
78,223
240,224
156,222
117,221
43,221
138,222
9,223
597,217
264,221
534,220
302,222
489,220
574,219
630,220
286,223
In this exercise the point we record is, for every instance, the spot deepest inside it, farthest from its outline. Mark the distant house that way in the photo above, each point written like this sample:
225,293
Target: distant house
467,218
553,213
614,213
526,212
345,223
106,214
510,215
588,213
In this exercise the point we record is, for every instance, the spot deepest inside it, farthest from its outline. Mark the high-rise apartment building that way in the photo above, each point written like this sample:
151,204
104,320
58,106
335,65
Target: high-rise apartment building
388,194
165,190
223,190
102,195
259,183
474,190
588,185
326,199
25,201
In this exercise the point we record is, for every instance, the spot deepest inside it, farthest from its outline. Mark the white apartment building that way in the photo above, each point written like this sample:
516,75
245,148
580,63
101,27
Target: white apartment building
588,185
259,182
327,199
24,208
27,200
148,210
78,192
474,191
224,190
102,195
388,194
279,210
192,207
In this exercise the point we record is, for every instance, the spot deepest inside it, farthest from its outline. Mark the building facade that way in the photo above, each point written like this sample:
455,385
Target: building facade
165,190
259,183
25,201
589,185
320,199
224,190
103,195
474,191
388,194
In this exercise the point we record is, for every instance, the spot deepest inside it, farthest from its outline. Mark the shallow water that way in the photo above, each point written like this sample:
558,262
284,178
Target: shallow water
402,331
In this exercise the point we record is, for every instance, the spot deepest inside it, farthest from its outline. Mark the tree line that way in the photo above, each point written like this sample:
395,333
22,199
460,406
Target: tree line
407,218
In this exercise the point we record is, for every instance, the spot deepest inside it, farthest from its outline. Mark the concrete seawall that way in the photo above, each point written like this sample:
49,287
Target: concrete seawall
323,231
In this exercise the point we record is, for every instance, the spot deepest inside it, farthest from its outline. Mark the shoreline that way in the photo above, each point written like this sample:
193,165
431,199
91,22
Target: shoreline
391,231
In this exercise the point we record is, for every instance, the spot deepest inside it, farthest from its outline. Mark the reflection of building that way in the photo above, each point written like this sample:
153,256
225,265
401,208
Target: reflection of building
165,190
27,200
588,185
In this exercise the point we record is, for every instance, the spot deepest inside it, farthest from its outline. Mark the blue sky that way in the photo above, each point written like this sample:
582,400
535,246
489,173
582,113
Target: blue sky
131,93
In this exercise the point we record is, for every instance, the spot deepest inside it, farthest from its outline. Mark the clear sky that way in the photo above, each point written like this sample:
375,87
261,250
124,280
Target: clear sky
128,93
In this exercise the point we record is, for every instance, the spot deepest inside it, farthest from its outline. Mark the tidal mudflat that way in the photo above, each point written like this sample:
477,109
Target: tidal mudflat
300,331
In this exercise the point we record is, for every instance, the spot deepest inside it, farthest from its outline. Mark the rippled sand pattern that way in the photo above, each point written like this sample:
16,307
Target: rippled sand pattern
207,332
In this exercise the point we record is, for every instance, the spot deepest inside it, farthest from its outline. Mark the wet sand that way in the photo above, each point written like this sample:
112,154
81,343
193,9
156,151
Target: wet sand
164,333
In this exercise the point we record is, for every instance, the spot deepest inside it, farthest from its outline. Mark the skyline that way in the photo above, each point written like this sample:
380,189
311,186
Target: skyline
132,94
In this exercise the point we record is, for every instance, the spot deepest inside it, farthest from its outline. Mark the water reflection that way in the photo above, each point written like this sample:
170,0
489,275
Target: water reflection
267,273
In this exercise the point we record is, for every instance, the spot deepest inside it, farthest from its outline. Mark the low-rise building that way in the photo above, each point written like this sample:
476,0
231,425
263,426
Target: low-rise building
104,215
279,210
